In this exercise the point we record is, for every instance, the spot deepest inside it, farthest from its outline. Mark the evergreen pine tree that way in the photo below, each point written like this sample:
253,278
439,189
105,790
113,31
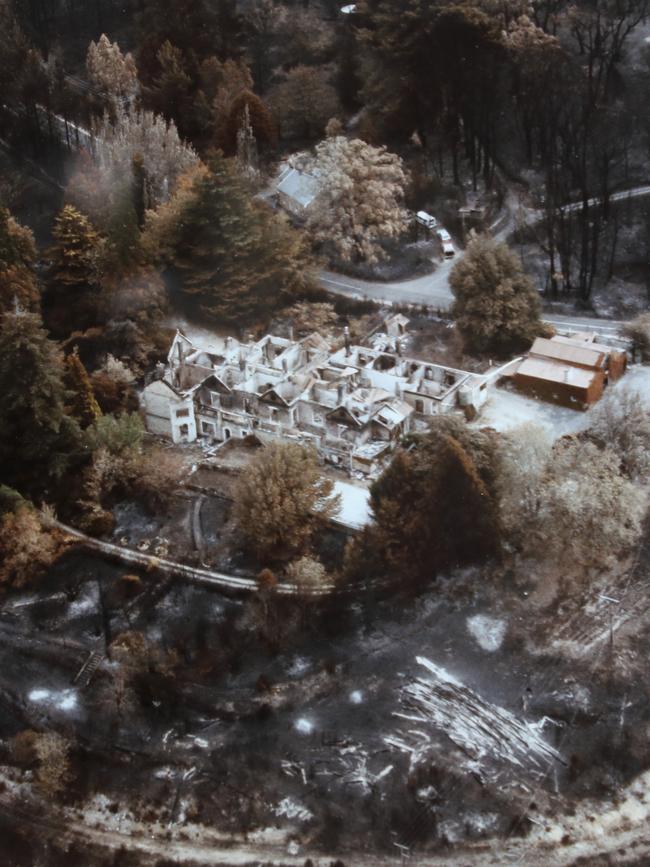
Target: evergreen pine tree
83,406
236,260
17,257
467,528
72,255
139,183
123,250
248,109
38,440
247,148
71,298
434,510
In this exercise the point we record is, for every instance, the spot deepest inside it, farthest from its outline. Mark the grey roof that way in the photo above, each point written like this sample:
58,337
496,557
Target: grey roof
299,186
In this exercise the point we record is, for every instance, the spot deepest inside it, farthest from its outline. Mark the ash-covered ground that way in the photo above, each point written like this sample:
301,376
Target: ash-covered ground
474,710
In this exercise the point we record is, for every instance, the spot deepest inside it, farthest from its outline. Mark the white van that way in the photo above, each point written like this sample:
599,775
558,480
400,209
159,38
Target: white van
426,220
444,235
448,250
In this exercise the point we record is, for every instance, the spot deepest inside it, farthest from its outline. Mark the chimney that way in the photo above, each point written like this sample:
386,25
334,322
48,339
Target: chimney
346,338
340,393
398,346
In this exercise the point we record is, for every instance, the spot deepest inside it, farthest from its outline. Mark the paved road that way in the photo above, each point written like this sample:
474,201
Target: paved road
434,290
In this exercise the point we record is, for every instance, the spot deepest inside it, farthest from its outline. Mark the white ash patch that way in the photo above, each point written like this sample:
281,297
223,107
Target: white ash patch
474,824
166,773
299,665
292,810
304,726
482,823
488,632
356,697
64,699
85,604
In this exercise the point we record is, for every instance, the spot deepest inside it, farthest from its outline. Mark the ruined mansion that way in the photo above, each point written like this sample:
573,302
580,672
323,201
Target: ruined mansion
352,404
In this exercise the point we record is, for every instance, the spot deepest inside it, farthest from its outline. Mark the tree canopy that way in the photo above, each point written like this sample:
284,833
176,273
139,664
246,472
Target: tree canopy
496,308
434,506
361,198
38,440
18,281
281,497
234,258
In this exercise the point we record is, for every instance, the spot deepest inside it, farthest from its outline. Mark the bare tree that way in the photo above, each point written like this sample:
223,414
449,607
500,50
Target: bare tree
164,156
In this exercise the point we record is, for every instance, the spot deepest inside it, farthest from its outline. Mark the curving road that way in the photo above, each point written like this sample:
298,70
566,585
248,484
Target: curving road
434,289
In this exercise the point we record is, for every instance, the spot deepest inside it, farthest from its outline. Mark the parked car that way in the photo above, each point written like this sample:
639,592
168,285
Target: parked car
426,220
444,235
448,250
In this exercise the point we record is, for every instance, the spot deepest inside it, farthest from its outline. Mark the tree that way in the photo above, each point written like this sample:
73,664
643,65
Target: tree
259,118
306,317
621,423
525,453
638,331
111,71
156,475
84,408
71,297
121,464
26,548
588,511
38,441
171,92
17,259
50,752
119,435
361,199
72,257
236,260
304,102
113,387
149,137
400,65
161,227
435,507
308,574
496,308
122,250
199,28
280,498
223,83
89,190
247,156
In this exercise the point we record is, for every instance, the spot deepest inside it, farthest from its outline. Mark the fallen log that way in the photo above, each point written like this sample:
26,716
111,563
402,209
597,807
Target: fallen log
232,584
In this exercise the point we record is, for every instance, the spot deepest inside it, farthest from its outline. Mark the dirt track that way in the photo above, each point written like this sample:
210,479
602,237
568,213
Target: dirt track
620,832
